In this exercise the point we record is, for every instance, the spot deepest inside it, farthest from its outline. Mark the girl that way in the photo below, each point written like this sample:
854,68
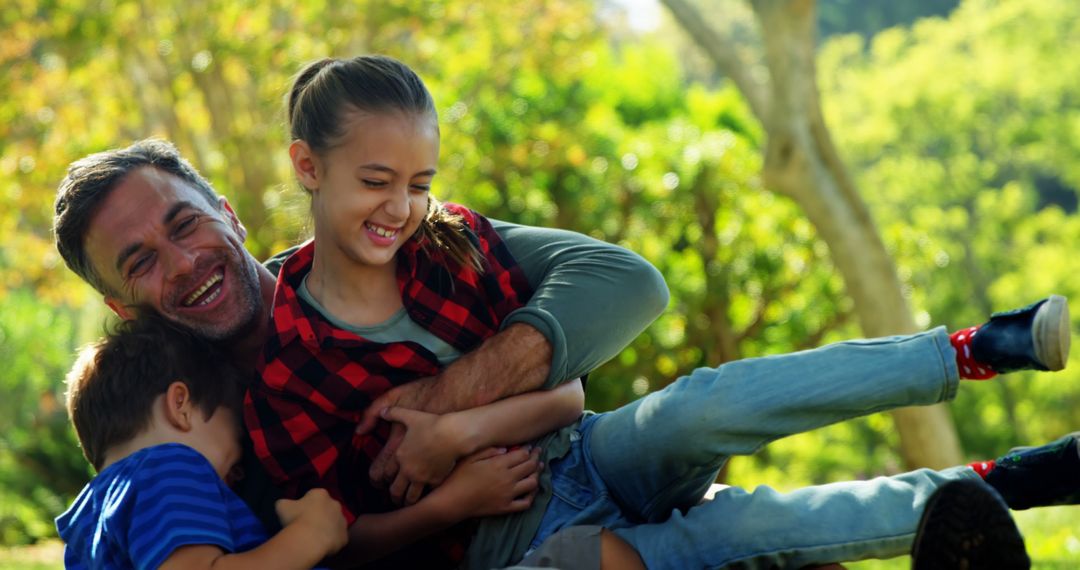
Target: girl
396,285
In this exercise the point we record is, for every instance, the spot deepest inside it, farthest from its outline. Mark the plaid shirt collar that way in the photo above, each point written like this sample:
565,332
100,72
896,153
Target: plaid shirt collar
294,319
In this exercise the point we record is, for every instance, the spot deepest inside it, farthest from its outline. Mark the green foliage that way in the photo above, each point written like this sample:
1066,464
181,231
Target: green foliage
960,133
40,465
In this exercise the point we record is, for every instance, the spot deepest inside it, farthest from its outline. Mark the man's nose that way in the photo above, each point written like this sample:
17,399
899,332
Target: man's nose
179,262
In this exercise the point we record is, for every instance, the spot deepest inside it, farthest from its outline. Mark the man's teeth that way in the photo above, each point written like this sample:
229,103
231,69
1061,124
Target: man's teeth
213,280
381,231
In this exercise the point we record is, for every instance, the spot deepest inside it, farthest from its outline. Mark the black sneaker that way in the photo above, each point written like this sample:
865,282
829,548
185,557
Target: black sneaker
1035,337
1039,476
966,526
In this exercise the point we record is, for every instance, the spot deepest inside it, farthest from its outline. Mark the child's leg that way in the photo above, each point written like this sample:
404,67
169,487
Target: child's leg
617,554
838,522
688,430
663,451
586,547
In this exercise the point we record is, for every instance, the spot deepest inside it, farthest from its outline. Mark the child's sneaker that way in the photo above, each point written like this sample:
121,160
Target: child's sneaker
966,525
1038,476
1035,337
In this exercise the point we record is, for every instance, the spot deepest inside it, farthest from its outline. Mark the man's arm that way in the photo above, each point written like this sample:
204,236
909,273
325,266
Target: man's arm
590,299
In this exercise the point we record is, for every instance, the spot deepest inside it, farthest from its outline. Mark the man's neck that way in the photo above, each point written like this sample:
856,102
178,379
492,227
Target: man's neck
246,347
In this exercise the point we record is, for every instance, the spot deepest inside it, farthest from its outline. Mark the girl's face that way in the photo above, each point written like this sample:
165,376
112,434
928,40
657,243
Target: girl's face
371,191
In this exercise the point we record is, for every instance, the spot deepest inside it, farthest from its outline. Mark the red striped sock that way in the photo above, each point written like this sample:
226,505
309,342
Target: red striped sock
969,368
982,467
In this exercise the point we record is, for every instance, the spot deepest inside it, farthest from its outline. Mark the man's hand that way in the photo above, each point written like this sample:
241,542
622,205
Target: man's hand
385,467
413,395
429,450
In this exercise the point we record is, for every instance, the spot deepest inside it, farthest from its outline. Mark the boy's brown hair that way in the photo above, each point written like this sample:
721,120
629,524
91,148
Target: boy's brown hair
112,387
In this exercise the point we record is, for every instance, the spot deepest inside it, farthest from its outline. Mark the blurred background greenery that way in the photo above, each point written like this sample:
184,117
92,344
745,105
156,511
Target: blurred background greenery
958,123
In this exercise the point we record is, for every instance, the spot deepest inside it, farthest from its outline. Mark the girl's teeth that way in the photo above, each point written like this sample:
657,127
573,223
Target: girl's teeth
382,231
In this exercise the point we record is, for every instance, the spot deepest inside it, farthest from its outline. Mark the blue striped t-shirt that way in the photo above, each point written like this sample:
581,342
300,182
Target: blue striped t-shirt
137,511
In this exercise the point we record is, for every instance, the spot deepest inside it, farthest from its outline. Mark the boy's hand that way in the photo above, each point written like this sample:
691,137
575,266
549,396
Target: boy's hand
320,515
427,453
491,482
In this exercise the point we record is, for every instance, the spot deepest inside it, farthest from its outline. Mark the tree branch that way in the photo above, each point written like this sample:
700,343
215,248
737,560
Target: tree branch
731,61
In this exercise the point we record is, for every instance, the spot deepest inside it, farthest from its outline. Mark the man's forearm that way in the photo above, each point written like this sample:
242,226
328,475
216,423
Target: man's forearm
514,361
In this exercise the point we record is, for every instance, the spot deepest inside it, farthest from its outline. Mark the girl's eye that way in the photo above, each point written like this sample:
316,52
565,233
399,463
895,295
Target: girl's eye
421,187
372,183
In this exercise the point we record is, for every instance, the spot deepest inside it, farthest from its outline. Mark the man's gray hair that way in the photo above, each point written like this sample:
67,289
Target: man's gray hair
89,182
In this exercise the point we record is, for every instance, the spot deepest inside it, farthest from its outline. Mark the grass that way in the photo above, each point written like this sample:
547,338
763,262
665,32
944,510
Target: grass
1052,536
45,555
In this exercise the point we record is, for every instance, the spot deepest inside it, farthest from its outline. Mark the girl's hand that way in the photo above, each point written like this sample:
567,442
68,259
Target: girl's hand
491,482
428,451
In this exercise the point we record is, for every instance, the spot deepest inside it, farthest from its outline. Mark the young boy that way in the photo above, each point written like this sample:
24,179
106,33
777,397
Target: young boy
154,408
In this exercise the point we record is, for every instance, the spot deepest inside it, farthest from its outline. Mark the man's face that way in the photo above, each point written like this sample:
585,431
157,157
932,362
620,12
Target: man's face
157,242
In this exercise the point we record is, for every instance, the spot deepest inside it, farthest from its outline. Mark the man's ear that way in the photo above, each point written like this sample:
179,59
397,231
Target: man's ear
232,218
123,311
305,164
178,407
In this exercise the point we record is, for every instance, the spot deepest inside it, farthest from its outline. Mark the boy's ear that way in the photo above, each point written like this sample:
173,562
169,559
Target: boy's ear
305,164
178,406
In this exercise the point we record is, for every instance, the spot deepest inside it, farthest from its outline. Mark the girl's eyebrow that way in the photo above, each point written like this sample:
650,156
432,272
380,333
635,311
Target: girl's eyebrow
383,168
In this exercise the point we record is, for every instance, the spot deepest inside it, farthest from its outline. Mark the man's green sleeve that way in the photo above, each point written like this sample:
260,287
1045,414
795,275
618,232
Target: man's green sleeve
590,298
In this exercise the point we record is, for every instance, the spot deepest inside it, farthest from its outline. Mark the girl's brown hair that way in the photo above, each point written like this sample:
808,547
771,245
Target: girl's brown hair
325,90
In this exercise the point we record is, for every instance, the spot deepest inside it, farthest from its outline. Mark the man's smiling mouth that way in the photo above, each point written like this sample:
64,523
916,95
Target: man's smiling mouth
195,295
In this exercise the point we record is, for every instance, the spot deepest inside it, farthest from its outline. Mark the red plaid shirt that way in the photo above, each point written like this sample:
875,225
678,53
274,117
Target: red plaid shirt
317,380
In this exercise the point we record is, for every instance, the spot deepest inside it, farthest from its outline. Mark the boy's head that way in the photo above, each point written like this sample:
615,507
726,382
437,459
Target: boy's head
150,374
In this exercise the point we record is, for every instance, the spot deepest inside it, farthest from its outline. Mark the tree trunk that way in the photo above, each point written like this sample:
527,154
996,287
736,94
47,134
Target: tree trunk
801,162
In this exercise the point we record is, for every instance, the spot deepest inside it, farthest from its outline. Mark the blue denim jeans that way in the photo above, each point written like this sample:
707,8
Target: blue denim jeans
643,469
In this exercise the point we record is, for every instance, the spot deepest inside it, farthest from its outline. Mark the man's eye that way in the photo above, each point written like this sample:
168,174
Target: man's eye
186,226
140,265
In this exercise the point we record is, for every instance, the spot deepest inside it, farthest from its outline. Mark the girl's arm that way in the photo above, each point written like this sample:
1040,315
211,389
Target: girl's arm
490,482
433,442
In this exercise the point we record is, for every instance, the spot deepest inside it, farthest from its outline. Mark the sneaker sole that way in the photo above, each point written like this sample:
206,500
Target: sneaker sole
1052,334
966,526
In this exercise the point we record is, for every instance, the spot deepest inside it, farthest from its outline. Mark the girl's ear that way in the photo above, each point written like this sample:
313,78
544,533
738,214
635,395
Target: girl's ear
305,164
178,406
